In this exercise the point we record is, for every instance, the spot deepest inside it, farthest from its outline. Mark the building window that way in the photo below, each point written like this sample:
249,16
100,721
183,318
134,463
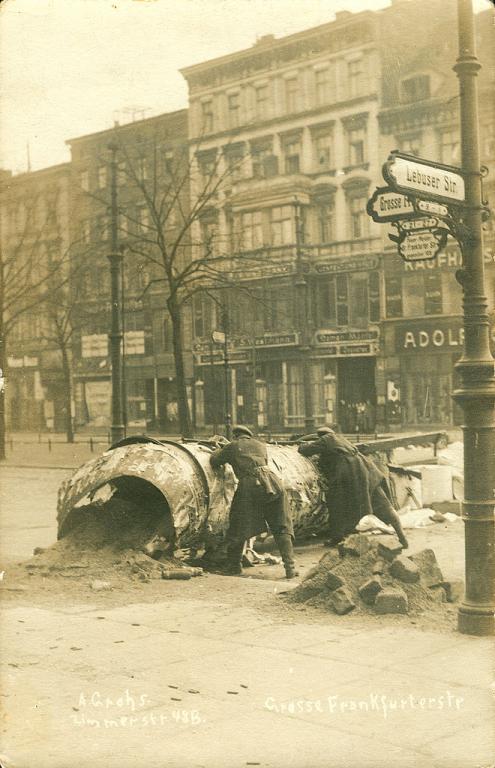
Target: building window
433,294
168,162
143,220
234,163
102,177
265,163
323,151
252,230
261,96
123,222
411,145
416,88
292,152
281,225
322,85
202,316
374,297
207,116
103,227
84,180
355,76
359,218
393,296
142,169
207,168
342,294
121,173
327,302
233,103
356,138
292,94
209,237
450,147
85,231
326,221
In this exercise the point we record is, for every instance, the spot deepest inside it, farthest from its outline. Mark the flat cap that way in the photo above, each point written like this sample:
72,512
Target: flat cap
325,431
240,429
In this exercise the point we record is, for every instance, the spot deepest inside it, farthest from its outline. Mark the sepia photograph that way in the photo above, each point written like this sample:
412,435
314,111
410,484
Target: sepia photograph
247,383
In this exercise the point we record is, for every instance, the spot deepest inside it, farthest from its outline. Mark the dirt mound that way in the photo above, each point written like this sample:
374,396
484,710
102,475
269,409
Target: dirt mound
364,575
110,540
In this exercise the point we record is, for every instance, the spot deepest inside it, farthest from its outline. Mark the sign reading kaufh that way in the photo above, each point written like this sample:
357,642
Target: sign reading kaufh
408,175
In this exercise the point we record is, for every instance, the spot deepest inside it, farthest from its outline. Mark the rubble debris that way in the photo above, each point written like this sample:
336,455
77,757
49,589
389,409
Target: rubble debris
391,600
389,549
439,594
405,569
378,567
100,586
177,573
369,590
341,601
356,544
430,573
454,590
39,550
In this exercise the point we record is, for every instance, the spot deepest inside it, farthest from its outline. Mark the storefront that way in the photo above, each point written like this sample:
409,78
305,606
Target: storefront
419,372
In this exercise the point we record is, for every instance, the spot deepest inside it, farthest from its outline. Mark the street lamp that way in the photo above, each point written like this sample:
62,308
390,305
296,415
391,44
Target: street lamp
303,322
476,394
115,335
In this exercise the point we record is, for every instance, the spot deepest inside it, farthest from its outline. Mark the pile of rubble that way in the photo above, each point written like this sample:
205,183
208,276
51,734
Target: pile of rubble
111,540
376,576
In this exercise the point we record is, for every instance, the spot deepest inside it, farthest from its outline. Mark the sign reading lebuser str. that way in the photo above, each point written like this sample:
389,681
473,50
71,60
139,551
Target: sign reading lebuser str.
422,178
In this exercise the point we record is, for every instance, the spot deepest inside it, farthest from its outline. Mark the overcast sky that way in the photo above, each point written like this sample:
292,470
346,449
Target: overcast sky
68,67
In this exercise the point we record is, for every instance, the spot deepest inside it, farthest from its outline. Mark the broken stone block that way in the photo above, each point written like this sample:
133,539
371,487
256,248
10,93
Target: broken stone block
454,590
404,569
369,590
438,594
330,559
341,601
181,574
333,581
389,549
100,586
391,600
378,567
355,545
430,573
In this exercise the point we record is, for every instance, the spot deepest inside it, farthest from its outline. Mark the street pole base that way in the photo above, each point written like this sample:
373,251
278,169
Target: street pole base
476,620
117,433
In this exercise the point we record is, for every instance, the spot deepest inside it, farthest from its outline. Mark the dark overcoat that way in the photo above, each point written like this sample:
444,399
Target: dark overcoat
260,497
351,477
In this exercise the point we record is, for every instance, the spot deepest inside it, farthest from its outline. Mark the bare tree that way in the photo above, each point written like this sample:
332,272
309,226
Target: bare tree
169,222
26,271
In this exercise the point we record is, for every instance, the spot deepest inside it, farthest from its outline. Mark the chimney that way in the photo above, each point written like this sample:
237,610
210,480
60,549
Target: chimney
265,40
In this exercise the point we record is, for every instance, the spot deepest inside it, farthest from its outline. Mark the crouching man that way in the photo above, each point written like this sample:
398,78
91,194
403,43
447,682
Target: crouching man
259,499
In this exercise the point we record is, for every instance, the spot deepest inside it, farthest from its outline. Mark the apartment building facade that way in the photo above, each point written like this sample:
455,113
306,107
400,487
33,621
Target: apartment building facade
146,153
34,234
297,121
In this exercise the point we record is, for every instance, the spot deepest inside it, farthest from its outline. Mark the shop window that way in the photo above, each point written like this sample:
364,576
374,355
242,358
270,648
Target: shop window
277,312
342,300
433,294
413,295
393,297
359,300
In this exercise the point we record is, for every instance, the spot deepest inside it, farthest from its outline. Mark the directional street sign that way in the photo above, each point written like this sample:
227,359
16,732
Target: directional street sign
421,178
428,206
422,245
387,205
420,223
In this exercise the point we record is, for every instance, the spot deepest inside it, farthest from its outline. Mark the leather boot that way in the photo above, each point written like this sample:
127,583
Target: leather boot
284,544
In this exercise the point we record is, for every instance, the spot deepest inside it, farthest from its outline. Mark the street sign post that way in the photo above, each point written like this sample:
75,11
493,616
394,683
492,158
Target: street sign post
410,175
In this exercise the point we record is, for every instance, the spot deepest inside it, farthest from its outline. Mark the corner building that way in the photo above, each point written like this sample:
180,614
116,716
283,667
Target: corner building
297,121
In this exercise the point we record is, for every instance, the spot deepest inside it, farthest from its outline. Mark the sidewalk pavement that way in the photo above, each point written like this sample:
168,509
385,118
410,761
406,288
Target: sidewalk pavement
192,681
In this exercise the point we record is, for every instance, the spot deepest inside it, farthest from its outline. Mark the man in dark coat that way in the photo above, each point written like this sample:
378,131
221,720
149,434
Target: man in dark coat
259,499
356,487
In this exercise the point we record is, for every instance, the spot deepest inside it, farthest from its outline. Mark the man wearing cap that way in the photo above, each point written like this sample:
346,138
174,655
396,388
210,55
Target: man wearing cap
356,487
259,499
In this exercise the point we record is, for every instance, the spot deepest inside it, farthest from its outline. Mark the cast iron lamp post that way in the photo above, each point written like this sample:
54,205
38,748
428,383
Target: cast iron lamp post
302,304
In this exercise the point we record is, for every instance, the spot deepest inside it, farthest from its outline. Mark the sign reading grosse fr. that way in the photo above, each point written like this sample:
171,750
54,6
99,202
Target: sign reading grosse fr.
409,175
